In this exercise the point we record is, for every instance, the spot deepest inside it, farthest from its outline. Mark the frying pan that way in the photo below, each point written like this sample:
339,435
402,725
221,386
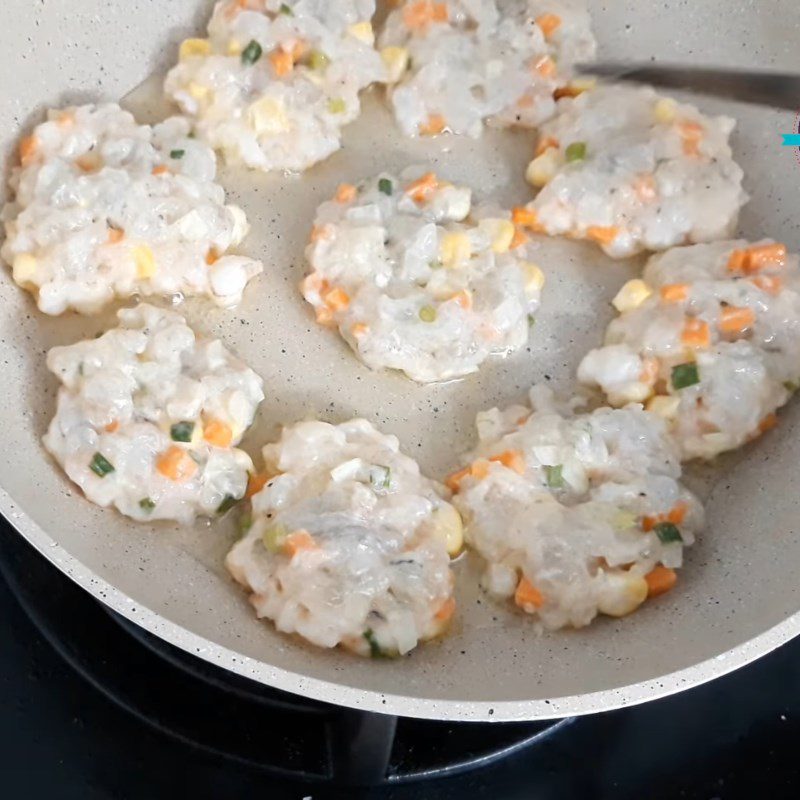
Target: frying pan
738,596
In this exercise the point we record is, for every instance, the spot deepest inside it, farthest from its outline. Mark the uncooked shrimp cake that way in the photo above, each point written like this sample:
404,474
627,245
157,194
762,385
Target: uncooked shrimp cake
575,514
148,417
632,170
349,544
456,64
709,338
274,83
105,208
418,279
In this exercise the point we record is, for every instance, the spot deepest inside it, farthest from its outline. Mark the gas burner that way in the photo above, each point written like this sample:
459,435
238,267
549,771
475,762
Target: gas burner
218,712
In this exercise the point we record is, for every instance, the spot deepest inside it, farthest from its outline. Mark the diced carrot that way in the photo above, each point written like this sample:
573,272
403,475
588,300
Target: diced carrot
545,66
677,514
299,49
545,143
418,15
336,299
696,333
602,235
675,292
526,218
297,541
453,481
65,119
112,427
518,239
90,162
649,373
218,433
321,233
314,284
522,420
692,134
735,319
527,594
160,169
756,258
768,423
645,187
176,464
282,62
463,298
28,147
549,23
771,284
446,610
479,469
345,193
434,125
115,235
255,483
512,459
567,91
324,315
660,580
359,329
234,7
766,255
212,256
419,189
648,523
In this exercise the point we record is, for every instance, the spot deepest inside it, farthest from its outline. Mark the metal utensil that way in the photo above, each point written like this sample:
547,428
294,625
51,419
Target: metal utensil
779,89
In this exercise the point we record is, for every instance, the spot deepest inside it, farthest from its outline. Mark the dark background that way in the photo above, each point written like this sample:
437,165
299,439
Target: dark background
60,737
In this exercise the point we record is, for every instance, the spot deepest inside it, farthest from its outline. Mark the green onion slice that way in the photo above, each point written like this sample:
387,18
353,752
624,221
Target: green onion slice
667,533
555,480
684,375
100,465
252,53
182,431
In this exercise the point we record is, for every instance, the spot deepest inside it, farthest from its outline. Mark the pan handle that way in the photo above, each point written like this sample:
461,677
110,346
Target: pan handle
360,746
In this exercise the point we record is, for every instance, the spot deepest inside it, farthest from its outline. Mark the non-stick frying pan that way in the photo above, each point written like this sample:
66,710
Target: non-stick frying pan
739,595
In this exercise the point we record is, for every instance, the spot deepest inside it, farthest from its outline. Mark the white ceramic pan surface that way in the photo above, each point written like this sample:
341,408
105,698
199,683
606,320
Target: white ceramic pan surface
738,596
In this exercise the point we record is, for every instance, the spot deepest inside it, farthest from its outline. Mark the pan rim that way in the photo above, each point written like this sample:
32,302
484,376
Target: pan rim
384,703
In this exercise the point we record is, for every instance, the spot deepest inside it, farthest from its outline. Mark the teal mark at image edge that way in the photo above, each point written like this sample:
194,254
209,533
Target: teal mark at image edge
791,139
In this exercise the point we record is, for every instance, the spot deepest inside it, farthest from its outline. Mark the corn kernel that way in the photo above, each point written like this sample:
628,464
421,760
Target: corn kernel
194,47
24,268
664,406
533,276
447,525
631,295
363,32
455,249
622,594
500,231
198,91
544,167
145,261
665,110
268,116
395,59
234,47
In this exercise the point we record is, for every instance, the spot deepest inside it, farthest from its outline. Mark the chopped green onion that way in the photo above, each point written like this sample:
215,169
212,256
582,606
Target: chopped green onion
177,153
374,648
273,538
575,151
251,53
228,502
531,320
385,186
684,375
318,60
100,465
384,480
667,533
146,504
182,431
555,480
791,386
337,106
286,10
427,314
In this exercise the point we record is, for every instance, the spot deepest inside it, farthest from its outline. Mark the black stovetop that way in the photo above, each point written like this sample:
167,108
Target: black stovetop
93,708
